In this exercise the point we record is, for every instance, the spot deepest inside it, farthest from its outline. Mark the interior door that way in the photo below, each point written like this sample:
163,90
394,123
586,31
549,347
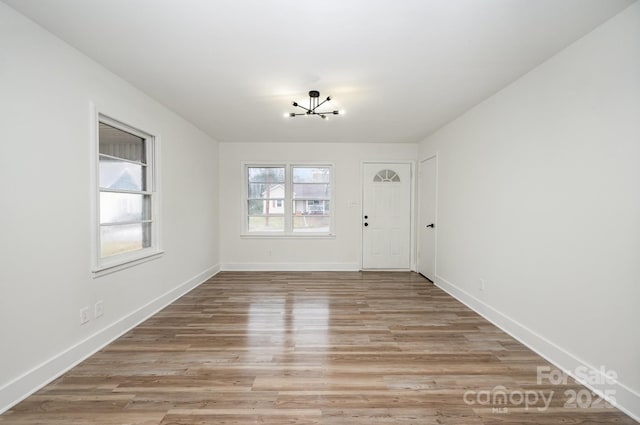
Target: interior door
386,221
427,218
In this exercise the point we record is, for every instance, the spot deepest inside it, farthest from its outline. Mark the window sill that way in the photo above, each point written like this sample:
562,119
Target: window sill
125,262
286,236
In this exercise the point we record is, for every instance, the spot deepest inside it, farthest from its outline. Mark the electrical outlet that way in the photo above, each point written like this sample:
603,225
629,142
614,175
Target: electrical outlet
99,309
483,285
84,315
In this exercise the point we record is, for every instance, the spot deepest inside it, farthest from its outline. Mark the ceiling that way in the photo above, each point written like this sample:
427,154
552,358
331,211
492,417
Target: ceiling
399,68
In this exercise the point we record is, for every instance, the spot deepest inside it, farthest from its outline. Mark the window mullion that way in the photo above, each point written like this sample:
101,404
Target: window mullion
125,191
129,161
288,177
124,223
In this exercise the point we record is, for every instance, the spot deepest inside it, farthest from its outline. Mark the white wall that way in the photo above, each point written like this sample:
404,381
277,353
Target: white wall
339,253
538,193
45,92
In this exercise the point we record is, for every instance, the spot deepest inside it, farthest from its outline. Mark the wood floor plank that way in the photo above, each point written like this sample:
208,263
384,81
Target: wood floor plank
310,348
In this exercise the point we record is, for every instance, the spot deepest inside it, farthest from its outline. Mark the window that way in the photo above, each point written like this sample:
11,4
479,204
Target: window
311,199
289,199
386,176
266,187
127,219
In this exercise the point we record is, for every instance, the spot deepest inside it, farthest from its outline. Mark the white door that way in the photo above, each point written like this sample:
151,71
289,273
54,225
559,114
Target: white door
386,208
427,219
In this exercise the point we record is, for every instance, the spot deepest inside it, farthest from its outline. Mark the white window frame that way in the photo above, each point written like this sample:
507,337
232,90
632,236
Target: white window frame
288,200
106,265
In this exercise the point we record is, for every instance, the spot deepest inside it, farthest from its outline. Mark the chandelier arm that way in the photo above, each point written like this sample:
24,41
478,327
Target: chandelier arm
320,104
302,107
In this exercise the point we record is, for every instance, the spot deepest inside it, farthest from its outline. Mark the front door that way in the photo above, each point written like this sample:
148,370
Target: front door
386,220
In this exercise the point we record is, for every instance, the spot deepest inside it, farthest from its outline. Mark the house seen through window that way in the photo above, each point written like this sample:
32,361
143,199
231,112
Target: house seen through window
289,199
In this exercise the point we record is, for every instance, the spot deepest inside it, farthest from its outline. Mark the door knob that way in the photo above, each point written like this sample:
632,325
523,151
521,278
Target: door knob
366,217
431,225
366,224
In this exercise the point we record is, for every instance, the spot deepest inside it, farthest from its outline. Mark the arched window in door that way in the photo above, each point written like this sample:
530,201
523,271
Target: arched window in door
386,176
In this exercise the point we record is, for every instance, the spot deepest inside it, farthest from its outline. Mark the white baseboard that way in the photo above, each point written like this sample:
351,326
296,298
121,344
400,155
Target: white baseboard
626,399
31,381
283,267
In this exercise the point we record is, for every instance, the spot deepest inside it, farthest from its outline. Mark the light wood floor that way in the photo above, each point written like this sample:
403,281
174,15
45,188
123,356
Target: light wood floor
309,348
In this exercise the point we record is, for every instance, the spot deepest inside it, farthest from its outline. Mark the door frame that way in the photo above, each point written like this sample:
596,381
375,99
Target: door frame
412,210
418,208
